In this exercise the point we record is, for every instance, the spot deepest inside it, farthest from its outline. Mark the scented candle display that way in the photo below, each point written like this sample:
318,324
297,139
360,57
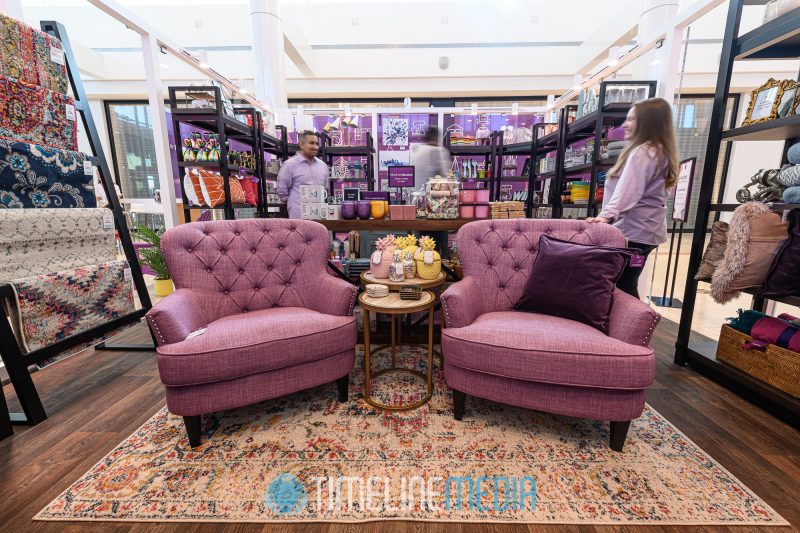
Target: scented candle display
441,198
397,270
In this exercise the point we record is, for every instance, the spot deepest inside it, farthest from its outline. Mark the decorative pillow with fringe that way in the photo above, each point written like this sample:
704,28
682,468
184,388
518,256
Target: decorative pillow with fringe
754,237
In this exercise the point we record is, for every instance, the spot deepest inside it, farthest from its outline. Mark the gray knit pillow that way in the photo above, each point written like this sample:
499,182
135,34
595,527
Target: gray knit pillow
789,176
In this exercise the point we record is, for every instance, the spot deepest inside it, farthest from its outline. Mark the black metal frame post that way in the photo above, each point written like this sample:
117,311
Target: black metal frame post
716,127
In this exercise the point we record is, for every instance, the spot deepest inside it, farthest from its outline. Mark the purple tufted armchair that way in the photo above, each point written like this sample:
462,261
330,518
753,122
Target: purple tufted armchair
272,319
537,361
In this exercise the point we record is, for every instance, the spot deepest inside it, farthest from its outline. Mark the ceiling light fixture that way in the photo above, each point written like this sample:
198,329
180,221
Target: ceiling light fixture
204,65
613,56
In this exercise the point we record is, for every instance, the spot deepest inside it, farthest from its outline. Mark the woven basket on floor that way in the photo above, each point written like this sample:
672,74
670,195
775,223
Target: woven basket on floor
777,366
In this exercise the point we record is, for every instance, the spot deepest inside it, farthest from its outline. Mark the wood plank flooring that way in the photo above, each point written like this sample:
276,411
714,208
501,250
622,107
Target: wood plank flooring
98,398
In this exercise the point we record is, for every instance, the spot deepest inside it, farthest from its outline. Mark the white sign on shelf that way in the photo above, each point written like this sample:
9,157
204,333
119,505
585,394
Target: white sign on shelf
683,190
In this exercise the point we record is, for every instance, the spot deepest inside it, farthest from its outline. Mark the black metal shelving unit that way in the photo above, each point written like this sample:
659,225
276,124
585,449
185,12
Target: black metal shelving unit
502,150
777,39
542,145
593,126
328,152
276,147
489,153
15,361
214,120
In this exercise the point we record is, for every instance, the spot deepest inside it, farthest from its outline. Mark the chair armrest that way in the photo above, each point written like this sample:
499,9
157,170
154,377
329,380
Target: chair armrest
331,296
631,320
462,303
177,315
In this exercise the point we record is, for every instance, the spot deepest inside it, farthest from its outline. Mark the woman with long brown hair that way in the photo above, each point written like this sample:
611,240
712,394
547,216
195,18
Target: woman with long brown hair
637,186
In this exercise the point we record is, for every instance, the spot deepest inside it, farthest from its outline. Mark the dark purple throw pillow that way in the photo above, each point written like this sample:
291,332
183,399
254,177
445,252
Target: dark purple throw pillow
574,281
783,278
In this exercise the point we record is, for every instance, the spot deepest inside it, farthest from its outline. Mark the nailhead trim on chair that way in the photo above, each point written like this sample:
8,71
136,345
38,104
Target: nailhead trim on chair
649,336
158,331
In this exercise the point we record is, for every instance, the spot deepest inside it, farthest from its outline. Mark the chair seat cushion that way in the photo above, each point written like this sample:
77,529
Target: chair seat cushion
547,349
259,341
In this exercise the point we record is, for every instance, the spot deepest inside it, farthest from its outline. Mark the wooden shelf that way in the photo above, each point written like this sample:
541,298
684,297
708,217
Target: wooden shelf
517,148
777,39
612,113
724,208
779,129
419,224
547,143
701,355
215,165
349,150
469,150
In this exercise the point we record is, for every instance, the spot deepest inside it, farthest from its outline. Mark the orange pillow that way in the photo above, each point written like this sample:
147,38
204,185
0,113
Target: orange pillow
191,185
213,188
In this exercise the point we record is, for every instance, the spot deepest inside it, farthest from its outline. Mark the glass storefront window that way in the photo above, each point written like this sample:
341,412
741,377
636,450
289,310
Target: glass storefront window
133,149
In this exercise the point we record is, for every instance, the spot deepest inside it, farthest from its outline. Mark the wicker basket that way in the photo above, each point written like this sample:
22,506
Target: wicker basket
777,366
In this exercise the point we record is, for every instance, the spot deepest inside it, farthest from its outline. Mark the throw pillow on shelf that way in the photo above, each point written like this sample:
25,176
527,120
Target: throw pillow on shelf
783,278
754,238
715,251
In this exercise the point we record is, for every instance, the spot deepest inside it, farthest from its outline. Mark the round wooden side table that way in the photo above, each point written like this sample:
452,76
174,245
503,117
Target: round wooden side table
394,306
366,277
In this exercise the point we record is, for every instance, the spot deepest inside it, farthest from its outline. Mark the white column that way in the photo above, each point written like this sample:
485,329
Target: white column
270,78
655,13
12,8
158,117
670,64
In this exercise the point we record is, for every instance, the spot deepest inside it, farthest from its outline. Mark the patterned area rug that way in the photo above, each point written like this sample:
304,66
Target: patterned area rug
306,458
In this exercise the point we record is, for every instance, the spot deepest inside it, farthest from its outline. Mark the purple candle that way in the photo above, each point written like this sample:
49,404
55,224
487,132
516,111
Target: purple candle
348,210
364,209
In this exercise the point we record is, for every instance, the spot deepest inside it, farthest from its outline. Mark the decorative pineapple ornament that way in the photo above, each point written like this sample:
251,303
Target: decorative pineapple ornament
429,262
381,260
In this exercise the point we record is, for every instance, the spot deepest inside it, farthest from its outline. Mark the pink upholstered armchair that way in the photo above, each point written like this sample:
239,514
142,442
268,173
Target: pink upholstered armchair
255,316
537,361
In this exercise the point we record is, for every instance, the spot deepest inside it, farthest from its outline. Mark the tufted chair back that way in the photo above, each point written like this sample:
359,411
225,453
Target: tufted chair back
248,265
499,254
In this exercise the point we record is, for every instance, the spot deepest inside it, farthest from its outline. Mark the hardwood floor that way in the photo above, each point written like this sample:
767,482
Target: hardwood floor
98,398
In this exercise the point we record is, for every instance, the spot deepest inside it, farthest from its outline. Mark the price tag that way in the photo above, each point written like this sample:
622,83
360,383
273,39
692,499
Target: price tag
88,169
70,112
376,257
108,221
637,261
57,55
127,274
195,333
427,257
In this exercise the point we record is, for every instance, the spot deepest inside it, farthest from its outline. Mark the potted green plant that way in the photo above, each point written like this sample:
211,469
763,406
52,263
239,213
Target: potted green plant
153,258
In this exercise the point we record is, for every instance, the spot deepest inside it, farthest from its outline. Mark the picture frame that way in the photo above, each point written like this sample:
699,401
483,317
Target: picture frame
788,103
764,102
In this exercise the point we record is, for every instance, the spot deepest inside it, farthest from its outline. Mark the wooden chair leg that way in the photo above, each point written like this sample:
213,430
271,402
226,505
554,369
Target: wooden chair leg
343,385
619,431
193,429
459,399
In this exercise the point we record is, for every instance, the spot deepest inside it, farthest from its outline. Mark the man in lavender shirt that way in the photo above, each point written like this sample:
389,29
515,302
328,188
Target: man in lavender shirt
304,168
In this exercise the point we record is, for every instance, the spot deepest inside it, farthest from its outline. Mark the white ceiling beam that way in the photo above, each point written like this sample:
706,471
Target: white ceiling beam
135,23
298,49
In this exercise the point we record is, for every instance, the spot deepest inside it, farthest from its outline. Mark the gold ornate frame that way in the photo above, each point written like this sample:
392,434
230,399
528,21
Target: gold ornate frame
770,84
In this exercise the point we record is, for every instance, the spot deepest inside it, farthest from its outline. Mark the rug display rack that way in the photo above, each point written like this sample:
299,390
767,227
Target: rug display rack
15,357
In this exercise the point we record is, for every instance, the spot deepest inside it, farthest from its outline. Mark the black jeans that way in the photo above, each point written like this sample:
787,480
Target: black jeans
629,281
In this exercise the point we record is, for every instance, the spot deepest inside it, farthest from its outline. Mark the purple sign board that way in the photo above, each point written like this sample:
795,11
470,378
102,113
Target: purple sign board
401,176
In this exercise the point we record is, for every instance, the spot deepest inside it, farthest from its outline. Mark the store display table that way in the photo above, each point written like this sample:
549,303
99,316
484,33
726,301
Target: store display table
394,306
419,224
366,277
